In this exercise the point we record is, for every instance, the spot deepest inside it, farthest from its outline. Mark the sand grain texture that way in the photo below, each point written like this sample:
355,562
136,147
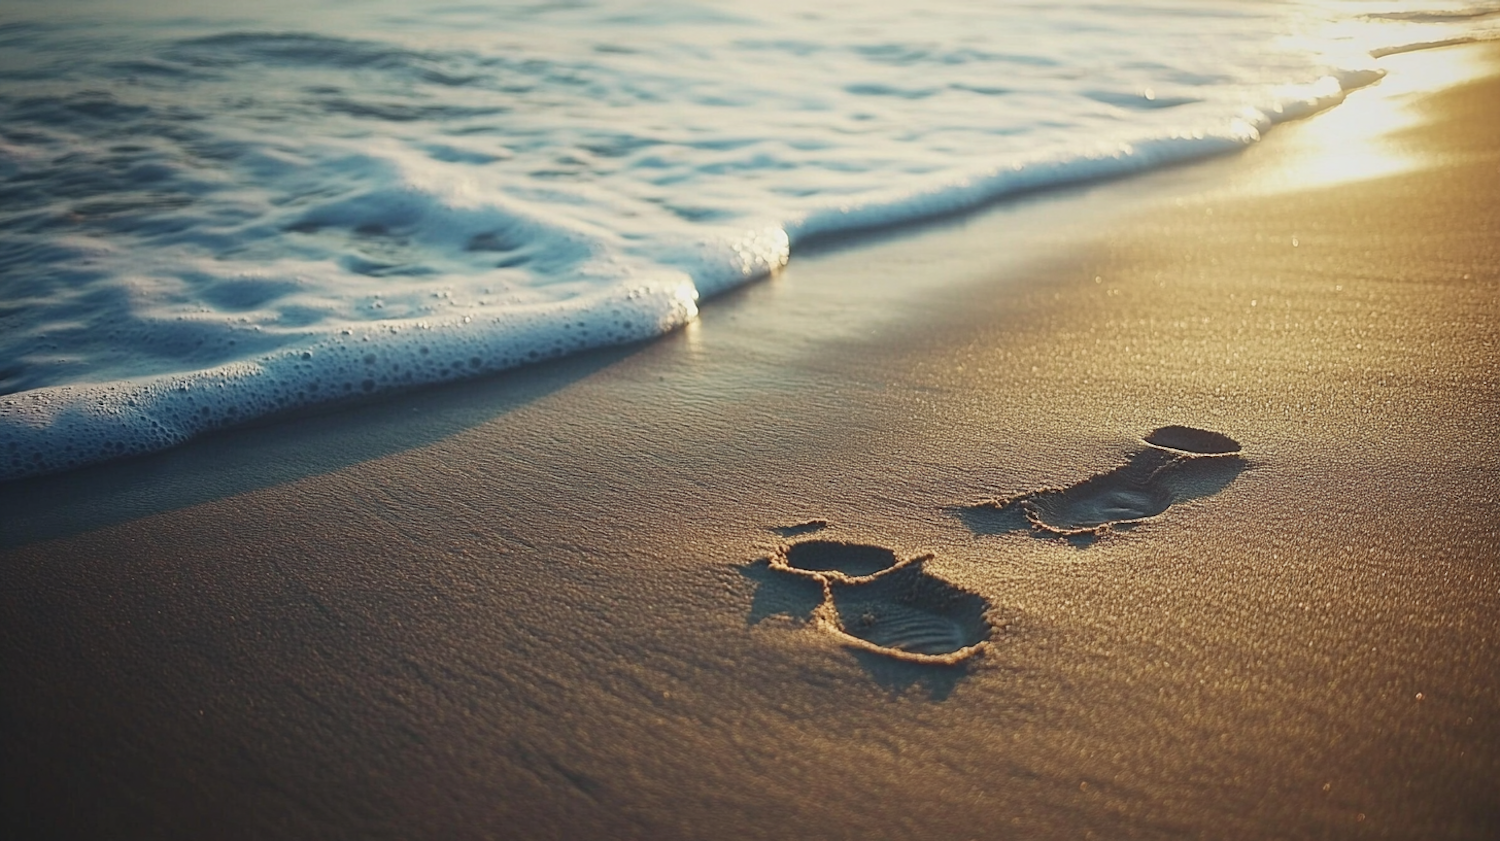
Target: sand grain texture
538,607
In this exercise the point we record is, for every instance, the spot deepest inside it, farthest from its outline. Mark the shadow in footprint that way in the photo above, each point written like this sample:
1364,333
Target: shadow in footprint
799,529
992,517
900,677
885,609
849,560
1186,439
910,612
1179,463
779,594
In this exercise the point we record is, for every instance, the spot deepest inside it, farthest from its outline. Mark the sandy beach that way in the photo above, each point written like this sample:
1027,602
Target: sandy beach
545,605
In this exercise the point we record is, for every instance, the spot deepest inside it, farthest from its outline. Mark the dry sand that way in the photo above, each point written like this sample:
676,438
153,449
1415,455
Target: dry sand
539,606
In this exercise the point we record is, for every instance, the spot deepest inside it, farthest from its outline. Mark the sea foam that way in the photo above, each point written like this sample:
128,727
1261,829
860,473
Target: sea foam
211,218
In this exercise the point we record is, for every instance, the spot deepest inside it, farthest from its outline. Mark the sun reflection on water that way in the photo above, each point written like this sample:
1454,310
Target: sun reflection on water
1362,138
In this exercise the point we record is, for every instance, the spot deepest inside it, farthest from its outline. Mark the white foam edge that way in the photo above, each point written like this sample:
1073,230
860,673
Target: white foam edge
1053,169
58,428
62,427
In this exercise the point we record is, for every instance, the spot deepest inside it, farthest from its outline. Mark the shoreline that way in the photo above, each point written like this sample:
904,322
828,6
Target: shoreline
1024,228
55,428
538,609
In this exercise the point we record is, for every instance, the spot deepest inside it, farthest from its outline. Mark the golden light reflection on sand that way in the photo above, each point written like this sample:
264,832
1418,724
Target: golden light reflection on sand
1361,138
692,335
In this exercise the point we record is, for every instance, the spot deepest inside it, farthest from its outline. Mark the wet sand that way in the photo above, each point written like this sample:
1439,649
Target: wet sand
556,604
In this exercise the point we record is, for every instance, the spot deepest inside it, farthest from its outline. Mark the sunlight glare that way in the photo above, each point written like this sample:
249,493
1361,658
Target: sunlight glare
1360,139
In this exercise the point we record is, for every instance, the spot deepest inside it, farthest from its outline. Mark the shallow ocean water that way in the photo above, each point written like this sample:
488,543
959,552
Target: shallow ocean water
208,216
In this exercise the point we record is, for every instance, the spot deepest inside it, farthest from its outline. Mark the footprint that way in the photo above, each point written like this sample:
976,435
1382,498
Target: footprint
1088,506
1178,463
912,615
1186,439
876,602
835,559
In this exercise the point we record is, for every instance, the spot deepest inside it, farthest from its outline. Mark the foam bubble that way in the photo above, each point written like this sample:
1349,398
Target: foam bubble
212,217
49,429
